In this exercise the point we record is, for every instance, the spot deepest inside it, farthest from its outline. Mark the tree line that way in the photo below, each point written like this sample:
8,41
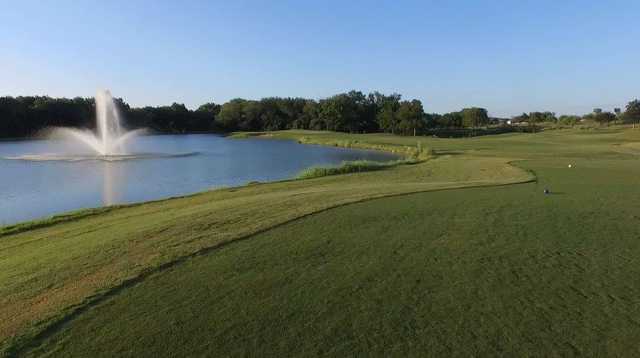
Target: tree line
353,112
26,115
631,114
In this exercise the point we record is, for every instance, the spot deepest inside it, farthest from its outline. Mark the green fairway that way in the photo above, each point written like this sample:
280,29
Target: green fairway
489,270
492,271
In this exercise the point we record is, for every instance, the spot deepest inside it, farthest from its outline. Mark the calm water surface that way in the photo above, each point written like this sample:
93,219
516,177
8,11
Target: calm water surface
36,189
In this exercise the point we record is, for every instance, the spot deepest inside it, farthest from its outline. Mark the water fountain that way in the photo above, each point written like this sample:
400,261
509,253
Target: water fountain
110,137
107,143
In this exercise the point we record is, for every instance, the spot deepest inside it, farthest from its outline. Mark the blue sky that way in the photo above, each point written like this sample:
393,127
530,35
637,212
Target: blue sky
507,56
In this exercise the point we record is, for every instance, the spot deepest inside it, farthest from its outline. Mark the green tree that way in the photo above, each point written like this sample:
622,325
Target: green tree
386,108
344,112
632,112
270,116
209,107
604,117
330,115
252,116
474,117
387,118
450,120
232,114
539,117
310,112
204,118
569,120
410,117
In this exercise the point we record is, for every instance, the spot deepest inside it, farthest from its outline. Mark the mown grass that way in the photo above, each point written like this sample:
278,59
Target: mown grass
559,143
47,273
496,271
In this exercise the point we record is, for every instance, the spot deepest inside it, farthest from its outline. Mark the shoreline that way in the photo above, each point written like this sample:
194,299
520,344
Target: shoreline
76,214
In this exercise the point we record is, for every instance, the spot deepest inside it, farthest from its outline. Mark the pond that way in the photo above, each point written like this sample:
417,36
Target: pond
171,165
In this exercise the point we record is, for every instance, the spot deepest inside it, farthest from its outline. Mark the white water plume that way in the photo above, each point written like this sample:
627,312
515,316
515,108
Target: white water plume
110,138
108,143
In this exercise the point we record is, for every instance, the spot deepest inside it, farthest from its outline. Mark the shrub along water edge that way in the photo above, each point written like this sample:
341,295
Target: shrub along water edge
417,152
356,166
413,155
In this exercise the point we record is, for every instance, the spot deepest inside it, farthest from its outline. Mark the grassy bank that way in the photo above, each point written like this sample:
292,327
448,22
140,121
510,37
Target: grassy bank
54,277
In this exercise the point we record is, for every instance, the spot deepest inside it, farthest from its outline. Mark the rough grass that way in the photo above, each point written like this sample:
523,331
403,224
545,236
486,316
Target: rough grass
355,166
49,272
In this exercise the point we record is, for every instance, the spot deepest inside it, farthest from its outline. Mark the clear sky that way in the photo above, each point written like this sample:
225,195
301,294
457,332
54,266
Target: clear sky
567,56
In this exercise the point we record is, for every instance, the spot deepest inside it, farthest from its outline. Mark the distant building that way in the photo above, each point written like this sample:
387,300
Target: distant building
499,121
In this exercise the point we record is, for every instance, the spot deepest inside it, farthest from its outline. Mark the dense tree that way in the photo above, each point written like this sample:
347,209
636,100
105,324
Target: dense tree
232,116
411,117
204,118
474,117
539,117
387,117
25,116
569,120
604,117
600,116
352,111
386,108
535,117
452,120
209,108
632,112
349,112
310,111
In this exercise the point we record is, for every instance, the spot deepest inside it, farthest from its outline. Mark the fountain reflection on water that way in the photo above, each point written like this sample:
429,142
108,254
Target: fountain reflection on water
110,186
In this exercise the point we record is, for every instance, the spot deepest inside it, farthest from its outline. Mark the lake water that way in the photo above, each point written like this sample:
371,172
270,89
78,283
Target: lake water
37,189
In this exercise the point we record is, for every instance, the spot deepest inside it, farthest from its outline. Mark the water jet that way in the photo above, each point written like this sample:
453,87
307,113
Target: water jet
110,137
